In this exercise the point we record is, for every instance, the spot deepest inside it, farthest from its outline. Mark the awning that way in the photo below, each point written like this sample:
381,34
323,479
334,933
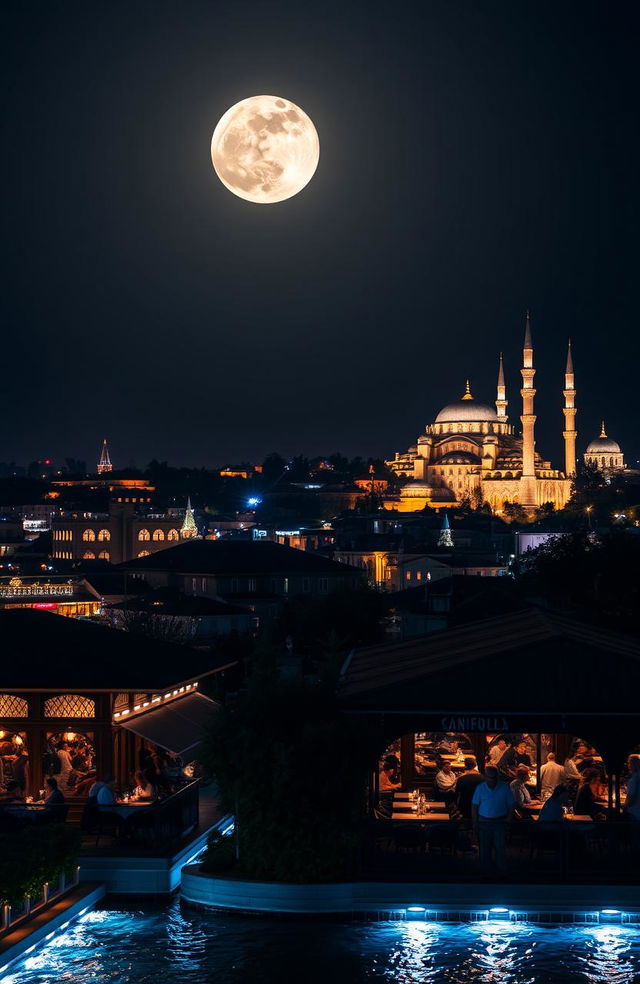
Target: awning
178,727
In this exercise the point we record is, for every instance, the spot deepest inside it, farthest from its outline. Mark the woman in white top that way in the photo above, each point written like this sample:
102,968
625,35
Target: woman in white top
66,768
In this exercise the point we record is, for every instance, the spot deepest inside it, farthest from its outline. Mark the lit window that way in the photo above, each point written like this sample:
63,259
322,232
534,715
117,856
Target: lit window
104,535
88,536
69,705
173,535
104,555
144,535
158,535
143,553
418,575
408,575
13,707
88,555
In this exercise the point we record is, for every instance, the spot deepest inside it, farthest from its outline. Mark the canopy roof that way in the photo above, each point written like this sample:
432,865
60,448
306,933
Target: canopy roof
178,727
526,662
42,651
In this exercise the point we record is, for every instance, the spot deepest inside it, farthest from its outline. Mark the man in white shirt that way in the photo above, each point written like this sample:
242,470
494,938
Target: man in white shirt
492,808
496,751
550,776
445,781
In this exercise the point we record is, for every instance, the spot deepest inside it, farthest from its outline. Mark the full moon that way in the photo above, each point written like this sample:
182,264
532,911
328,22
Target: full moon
265,149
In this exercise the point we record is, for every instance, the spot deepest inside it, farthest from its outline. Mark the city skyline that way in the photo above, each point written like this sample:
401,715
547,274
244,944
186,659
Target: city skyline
474,164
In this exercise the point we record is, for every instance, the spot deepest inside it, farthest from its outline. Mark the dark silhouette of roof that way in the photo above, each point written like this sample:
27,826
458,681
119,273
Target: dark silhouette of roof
237,557
526,661
43,651
171,601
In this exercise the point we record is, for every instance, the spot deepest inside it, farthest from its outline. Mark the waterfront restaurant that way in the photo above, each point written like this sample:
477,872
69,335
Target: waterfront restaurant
540,676
98,692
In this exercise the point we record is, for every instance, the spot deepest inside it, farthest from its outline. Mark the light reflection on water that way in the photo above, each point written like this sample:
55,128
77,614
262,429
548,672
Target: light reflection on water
171,945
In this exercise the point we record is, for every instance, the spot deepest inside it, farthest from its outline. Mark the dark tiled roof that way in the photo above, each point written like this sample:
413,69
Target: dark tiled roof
237,557
42,651
528,660
171,601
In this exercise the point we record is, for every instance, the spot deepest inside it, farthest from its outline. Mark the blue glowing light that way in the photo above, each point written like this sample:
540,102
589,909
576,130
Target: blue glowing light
254,501
416,908
611,912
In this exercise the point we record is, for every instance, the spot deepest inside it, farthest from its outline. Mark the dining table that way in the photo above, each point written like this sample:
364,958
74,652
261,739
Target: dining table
403,803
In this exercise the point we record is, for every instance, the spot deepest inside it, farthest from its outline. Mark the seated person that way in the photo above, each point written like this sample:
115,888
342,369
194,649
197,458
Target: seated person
13,793
632,805
496,752
466,785
53,795
104,792
445,782
144,789
553,809
521,795
588,792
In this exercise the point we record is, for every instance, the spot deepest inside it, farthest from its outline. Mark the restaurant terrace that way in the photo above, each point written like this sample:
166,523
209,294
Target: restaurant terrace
532,684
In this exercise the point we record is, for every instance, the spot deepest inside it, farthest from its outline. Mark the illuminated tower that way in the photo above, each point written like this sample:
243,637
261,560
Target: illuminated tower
501,396
528,419
104,465
188,528
446,538
569,410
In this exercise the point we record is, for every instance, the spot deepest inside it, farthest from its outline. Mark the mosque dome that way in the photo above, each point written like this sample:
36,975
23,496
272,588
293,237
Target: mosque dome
603,444
415,489
466,410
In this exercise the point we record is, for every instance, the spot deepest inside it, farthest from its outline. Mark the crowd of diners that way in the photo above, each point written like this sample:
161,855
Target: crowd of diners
577,784
69,772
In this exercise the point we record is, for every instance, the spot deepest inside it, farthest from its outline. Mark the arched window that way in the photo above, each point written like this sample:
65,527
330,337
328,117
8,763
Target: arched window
158,535
104,555
104,535
144,535
173,535
89,536
88,555
13,707
143,553
69,706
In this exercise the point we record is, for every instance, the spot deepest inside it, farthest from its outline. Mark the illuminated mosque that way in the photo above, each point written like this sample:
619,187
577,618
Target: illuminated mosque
472,451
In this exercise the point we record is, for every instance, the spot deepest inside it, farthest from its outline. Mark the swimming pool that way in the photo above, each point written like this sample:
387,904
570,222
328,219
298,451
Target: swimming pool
171,945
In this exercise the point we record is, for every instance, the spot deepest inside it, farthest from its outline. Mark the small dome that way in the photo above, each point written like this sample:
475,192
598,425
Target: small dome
603,444
466,410
415,489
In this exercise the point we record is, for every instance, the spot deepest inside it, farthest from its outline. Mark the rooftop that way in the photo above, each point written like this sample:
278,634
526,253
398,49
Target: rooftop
232,557
42,651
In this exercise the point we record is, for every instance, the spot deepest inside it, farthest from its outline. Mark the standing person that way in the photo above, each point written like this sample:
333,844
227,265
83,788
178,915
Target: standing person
632,805
66,767
20,768
513,757
492,808
445,782
466,787
550,777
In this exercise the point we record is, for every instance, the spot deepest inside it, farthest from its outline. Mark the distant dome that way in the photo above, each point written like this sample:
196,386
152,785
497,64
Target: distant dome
603,444
415,489
466,410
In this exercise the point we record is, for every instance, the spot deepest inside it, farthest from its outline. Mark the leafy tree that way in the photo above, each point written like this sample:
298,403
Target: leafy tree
596,576
515,512
273,468
292,768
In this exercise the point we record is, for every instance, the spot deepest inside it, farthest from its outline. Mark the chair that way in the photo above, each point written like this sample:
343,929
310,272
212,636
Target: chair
409,837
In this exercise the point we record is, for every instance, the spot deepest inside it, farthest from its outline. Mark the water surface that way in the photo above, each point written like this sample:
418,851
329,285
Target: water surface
168,944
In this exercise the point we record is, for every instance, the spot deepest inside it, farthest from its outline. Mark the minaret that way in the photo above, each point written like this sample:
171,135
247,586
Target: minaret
569,410
104,465
188,528
446,538
528,482
501,396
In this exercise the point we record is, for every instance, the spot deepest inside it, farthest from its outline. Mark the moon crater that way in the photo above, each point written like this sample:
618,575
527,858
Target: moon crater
265,149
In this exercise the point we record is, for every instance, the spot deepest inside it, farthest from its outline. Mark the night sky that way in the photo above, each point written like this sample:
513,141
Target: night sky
477,159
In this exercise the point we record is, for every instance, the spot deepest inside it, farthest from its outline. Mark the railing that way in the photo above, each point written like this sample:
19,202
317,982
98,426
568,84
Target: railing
567,851
13,915
161,824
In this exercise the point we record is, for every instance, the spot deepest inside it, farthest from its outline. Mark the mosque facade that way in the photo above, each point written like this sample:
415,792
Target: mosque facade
471,451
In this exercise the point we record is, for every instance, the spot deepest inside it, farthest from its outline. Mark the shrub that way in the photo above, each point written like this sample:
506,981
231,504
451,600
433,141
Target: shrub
35,855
